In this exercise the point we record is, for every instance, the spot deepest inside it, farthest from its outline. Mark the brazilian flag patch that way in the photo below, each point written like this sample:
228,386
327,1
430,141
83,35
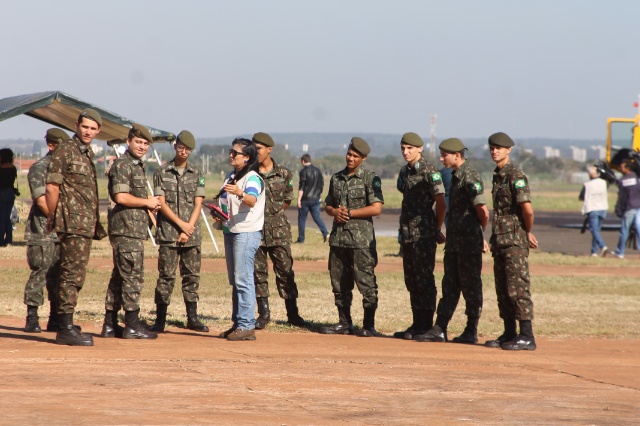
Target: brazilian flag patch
201,182
478,187
520,183
377,183
290,182
436,177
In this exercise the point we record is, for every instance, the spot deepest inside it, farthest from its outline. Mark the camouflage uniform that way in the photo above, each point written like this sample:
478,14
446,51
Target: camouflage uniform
127,233
179,193
463,249
43,248
352,253
421,183
276,236
76,219
510,243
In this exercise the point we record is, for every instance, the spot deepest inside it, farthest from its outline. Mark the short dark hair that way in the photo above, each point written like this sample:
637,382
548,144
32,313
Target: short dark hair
6,155
306,158
628,163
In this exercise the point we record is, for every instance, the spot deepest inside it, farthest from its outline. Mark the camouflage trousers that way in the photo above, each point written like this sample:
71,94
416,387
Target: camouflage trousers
349,265
462,274
419,261
512,285
74,256
283,268
44,261
127,276
189,259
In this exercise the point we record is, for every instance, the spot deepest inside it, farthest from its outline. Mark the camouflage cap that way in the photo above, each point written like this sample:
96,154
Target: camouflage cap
501,139
263,139
139,131
187,139
452,145
92,114
55,135
412,139
360,145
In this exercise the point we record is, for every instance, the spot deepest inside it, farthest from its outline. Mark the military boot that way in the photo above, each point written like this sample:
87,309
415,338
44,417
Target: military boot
32,325
69,335
509,334
264,314
293,317
52,323
161,318
470,333
416,328
368,323
134,328
110,327
344,326
193,323
525,340
438,332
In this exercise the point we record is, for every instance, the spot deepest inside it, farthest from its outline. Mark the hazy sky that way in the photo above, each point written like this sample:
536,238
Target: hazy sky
221,68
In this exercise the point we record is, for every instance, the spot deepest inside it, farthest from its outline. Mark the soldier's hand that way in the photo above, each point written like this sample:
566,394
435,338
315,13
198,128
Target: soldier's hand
440,238
533,242
183,238
187,228
153,204
341,214
485,246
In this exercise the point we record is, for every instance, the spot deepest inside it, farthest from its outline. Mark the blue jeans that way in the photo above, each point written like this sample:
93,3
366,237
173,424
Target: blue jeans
7,199
628,218
240,250
595,225
314,207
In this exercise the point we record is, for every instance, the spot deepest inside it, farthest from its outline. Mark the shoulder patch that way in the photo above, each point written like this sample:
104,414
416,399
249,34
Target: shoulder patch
520,183
201,181
436,177
290,182
477,186
376,183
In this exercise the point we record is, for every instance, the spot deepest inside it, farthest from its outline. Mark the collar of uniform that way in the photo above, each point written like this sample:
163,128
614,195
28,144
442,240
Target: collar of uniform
461,170
84,149
357,174
275,169
134,160
421,164
504,168
171,165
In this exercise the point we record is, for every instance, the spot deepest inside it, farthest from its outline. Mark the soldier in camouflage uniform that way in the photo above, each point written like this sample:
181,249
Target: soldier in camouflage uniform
43,248
468,217
72,200
276,237
179,186
128,224
421,186
511,239
354,198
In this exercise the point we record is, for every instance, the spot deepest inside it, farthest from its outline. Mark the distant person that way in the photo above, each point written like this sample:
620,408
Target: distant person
628,205
8,193
310,189
43,248
354,198
595,205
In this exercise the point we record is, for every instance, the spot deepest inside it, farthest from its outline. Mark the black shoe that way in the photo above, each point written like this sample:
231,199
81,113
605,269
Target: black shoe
367,332
520,344
161,318
110,331
69,335
436,334
134,329
497,344
293,316
337,329
298,242
32,325
193,323
470,334
264,313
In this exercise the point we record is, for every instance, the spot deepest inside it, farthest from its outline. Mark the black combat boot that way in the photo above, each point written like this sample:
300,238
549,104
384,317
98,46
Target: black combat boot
161,318
193,323
344,326
438,332
52,323
416,328
368,324
110,327
32,325
293,317
134,329
509,334
525,341
264,314
69,335
470,333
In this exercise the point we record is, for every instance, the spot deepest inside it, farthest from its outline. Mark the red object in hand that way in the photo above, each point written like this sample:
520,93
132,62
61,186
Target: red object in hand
217,212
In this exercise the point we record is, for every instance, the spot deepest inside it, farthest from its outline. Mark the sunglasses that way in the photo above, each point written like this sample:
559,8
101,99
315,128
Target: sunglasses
234,153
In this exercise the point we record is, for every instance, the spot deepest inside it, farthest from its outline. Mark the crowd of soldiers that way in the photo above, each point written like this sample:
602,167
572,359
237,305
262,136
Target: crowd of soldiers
64,219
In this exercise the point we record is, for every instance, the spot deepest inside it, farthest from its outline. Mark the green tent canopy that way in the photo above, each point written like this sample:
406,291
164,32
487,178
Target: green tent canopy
62,110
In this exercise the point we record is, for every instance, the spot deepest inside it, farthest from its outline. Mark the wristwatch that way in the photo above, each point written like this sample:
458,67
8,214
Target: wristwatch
241,196
349,213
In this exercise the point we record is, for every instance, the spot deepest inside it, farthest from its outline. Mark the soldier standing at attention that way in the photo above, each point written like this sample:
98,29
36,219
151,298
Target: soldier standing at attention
421,186
127,232
354,198
43,248
468,217
511,239
179,186
276,236
72,201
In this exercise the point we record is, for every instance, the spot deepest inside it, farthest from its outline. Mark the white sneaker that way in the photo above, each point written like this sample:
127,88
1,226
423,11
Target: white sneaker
603,251
595,255
618,255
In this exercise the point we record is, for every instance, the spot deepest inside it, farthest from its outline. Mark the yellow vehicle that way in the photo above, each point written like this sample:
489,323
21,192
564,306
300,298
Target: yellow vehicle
623,136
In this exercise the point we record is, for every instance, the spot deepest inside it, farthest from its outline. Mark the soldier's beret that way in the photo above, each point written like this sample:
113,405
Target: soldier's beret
187,139
263,138
452,145
139,131
55,135
360,145
412,139
501,139
92,114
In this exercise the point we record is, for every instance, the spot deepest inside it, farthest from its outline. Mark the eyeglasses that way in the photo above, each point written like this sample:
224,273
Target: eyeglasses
183,148
234,153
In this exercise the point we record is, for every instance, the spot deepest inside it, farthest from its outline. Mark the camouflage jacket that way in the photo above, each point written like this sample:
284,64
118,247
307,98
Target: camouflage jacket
420,185
361,189
179,193
127,176
464,233
278,190
510,188
72,168
36,227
